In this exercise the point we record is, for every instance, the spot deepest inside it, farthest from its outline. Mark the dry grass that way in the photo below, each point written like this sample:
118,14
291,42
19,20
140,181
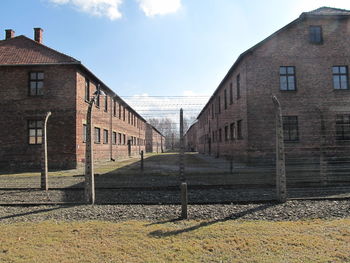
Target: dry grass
182,241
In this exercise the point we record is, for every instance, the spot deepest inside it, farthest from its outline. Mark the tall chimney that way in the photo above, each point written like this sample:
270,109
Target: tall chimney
9,33
38,35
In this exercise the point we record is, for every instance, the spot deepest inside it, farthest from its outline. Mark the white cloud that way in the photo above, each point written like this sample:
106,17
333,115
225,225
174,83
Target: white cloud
108,8
159,7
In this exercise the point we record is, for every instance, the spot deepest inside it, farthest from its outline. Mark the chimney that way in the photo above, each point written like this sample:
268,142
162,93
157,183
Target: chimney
9,33
38,35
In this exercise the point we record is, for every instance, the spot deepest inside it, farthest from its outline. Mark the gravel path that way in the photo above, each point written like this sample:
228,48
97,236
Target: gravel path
289,211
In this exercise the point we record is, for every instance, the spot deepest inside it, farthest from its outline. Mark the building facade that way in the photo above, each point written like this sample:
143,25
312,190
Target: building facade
305,65
34,80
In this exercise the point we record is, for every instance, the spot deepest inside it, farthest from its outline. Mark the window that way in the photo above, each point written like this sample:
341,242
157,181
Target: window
120,111
226,133
225,99
238,80
124,139
342,127
315,34
231,94
36,83
114,138
35,131
212,111
123,113
97,99
213,136
105,136
219,105
340,77
97,135
232,131
84,132
119,138
287,78
239,130
114,108
290,128
106,103
87,90
220,136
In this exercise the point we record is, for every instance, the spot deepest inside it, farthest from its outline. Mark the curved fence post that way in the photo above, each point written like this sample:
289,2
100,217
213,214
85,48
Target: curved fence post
44,161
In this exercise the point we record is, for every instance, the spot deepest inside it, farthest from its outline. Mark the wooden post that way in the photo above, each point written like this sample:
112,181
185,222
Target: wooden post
323,161
89,189
280,155
142,161
184,200
44,161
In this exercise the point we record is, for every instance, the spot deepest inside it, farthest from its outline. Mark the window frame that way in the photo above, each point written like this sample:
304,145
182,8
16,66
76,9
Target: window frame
345,136
287,75
339,75
105,136
36,81
36,128
87,90
289,124
239,130
313,37
97,135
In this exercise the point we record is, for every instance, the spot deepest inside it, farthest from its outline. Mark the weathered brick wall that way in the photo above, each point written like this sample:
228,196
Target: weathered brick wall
259,79
106,120
17,108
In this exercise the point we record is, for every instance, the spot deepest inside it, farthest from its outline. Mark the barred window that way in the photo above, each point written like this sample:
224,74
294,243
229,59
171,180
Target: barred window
342,126
238,83
36,83
290,128
287,78
35,131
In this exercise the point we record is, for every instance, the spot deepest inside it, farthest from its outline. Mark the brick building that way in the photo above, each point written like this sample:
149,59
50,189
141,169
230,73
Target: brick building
155,141
305,65
191,140
35,79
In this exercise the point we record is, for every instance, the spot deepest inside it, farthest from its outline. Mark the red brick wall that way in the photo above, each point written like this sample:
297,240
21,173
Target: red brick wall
17,108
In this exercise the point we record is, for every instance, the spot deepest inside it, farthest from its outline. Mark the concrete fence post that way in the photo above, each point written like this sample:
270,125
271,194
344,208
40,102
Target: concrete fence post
141,161
323,161
281,187
44,159
184,198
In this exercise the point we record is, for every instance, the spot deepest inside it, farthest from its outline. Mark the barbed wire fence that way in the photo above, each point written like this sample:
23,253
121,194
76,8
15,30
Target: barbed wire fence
223,165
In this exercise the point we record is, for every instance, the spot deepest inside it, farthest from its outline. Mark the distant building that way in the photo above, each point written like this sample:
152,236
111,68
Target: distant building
155,141
191,140
35,79
306,66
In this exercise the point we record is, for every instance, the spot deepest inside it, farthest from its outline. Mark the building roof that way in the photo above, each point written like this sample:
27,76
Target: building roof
22,50
319,12
329,11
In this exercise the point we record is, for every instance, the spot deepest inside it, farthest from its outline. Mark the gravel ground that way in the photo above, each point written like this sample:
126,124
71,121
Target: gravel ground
289,211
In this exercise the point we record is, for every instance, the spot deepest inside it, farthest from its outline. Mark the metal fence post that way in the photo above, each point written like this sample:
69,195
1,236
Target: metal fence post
184,198
44,161
280,155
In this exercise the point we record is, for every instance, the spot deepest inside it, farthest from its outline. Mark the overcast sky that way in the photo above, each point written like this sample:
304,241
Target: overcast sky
155,47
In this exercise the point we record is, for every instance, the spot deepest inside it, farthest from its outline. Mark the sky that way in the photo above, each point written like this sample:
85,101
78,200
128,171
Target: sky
148,49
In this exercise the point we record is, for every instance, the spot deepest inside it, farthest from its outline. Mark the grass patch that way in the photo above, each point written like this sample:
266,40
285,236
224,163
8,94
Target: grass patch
182,241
